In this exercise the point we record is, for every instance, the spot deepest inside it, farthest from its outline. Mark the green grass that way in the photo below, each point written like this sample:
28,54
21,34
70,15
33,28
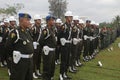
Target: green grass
90,71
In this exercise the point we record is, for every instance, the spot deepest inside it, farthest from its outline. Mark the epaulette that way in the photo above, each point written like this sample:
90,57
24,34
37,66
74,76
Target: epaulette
45,31
62,27
15,33
12,33
74,28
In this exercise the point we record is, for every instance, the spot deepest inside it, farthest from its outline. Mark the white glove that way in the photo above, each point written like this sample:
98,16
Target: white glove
56,38
16,56
80,39
75,41
63,41
91,38
94,37
85,37
1,39
35,44
99,63
46,50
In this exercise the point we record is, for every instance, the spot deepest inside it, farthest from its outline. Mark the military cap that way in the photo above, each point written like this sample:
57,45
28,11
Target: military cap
6,21
24,15
12,18
68,13
88,21
81,21
75,17
58,21
37,16
49,17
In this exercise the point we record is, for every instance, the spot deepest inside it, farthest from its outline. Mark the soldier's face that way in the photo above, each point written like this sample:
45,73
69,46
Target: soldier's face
6,24
25,22
69,18
58,24
76,21
51,22
87,24
13,23
38,21
80,26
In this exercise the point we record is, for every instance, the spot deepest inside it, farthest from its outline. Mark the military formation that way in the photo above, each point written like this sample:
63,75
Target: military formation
33,50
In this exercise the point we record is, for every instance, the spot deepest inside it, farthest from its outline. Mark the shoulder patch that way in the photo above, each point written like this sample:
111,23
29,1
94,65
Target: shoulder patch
63,27
74,29
44,31
12,35
6,30
32,28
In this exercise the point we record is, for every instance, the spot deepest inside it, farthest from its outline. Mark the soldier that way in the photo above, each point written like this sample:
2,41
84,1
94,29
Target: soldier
75,41
86,35
12,22
1,44
92,40
109,39
65,39
12,26
36,34
97,36
80,44
103,35
48,42
20,47
57,33
101,39
5,31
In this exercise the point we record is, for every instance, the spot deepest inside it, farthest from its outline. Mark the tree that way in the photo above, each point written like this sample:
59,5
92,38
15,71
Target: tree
11,10
116,21
57,7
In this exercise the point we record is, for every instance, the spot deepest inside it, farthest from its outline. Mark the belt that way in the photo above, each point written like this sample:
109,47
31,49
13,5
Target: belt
26,56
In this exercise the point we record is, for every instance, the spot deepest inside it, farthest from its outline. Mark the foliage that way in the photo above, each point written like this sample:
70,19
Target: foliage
11,9
57,7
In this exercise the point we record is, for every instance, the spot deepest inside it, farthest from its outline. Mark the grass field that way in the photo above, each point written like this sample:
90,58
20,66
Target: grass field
90,71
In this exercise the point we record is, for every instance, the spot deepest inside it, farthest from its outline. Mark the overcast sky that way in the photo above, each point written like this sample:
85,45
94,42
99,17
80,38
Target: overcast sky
98,10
